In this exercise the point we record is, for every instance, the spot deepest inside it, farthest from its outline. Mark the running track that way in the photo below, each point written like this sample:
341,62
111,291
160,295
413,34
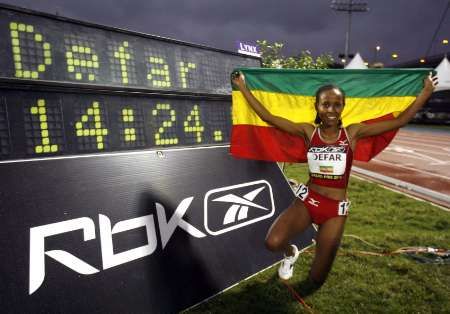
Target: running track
416,156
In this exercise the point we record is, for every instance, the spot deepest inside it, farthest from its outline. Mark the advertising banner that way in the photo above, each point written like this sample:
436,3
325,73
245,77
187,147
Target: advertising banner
134,232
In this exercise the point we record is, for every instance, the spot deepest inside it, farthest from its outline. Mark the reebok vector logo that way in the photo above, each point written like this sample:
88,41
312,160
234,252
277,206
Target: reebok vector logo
239,209
236,206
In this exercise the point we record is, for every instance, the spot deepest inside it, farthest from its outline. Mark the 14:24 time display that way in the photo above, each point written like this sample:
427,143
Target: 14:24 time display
37,124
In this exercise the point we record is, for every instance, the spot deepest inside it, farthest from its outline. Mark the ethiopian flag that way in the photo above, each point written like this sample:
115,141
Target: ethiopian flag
371,95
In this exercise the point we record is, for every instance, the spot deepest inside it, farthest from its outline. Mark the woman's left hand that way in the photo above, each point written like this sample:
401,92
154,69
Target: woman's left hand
430,83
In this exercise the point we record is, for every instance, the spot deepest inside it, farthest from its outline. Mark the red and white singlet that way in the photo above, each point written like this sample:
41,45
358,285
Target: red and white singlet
330,164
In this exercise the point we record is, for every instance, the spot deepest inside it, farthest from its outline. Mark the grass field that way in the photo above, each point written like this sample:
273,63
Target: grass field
360,283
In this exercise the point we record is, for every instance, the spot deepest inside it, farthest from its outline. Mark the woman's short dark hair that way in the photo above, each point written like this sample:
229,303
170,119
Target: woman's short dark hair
325,88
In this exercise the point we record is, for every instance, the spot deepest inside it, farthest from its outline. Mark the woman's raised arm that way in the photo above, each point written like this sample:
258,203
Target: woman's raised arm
361,130
300,129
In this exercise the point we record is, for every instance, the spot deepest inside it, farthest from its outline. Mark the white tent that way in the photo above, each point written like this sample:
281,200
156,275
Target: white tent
356,63
443,74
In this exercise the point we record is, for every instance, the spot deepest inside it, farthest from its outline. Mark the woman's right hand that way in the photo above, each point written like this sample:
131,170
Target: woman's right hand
238,79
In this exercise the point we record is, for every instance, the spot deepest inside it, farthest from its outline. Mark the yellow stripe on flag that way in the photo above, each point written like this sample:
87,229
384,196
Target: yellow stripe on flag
301,108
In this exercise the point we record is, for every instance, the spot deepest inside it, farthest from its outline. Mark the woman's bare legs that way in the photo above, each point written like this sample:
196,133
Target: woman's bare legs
328,240
292,221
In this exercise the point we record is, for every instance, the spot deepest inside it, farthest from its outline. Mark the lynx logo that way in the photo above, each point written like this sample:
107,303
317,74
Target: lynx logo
251,50
109,257
236,206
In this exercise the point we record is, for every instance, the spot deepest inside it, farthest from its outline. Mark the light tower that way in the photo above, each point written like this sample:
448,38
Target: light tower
349,6
444,13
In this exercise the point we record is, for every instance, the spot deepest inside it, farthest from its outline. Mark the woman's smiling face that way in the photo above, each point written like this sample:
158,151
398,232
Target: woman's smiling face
329,106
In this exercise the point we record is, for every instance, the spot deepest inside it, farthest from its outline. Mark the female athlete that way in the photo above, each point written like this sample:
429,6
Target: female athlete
323,200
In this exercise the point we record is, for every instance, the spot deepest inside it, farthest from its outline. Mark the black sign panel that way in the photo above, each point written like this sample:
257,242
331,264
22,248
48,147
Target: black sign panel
42,47
40,124
133,232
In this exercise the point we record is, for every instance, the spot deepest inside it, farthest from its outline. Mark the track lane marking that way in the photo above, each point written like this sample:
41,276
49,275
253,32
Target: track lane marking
440,163
427,142
413,169
413,154
421,144
429,137
423,140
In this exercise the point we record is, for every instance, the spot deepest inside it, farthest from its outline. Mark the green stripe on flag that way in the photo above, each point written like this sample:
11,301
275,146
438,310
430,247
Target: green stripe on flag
355,83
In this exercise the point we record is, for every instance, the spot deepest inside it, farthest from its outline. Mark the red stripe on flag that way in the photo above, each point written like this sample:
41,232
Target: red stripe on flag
266,143
368,147
271,144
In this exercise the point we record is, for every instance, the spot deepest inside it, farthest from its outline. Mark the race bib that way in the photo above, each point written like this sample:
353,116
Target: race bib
343,208
327,160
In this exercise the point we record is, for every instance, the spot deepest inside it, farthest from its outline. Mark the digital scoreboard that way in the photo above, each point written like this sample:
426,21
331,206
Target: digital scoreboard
45,47
69,87
43,124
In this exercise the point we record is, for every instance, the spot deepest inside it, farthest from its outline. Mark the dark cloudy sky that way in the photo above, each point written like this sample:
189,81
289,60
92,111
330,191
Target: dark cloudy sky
402,26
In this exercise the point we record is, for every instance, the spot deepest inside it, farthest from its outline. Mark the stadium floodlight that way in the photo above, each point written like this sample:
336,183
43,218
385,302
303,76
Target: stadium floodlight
444,13
375,54
349,6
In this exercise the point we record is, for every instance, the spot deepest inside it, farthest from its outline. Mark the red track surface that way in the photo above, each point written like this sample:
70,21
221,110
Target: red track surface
419,157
